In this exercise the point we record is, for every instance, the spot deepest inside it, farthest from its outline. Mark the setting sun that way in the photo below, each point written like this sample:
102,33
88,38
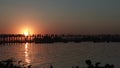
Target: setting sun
26,33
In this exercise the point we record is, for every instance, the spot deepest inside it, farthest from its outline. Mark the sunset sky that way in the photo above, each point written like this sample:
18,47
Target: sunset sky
60,16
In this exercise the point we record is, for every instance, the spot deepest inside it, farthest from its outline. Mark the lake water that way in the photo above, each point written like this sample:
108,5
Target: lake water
62,55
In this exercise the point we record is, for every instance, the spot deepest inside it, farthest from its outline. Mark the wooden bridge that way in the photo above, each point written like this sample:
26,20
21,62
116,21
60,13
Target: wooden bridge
51,38
15,38
21,38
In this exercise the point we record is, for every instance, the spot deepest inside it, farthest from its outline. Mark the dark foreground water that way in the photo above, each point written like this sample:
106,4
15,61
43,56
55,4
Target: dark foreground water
62,55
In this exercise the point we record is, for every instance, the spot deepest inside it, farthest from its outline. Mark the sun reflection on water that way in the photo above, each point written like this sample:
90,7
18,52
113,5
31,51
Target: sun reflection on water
27,60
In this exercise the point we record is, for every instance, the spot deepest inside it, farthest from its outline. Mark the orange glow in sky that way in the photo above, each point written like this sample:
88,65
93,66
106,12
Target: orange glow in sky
27,27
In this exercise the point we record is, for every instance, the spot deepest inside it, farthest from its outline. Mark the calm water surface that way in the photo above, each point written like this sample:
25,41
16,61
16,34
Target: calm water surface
62,55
